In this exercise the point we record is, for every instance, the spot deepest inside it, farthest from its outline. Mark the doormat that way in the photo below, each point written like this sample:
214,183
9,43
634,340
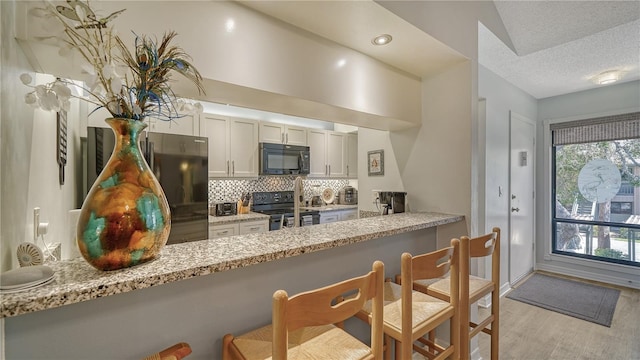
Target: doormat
581,300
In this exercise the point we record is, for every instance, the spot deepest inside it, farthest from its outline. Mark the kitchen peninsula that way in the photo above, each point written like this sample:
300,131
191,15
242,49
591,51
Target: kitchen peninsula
227,287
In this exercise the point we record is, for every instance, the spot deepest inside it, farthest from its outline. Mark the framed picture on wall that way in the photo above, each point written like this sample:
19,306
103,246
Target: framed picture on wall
375,162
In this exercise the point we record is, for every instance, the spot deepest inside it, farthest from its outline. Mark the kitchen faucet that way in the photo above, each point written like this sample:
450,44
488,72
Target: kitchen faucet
297,199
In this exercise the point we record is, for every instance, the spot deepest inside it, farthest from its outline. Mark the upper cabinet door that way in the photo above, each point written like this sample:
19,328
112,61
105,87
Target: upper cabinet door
317,141
243,147
336,150
186,125
282,134
295,135
216,130
271,133
352,156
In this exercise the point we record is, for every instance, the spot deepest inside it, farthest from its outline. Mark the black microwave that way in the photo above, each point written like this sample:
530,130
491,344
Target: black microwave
281,159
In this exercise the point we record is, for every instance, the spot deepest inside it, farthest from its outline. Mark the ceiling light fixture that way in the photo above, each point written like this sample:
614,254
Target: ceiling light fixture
383,39
607,77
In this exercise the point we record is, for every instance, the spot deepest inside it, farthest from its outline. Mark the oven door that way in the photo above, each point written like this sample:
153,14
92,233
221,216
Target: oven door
279,159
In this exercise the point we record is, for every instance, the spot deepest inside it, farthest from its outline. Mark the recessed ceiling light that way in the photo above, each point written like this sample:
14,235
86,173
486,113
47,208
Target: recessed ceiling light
383,39
607,77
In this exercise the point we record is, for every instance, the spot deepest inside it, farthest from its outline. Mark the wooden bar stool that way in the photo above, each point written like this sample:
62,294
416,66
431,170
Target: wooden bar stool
472,289
303,325
410,315
175,352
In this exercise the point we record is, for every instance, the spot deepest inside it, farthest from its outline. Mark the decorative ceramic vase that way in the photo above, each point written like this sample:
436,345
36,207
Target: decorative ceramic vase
125,219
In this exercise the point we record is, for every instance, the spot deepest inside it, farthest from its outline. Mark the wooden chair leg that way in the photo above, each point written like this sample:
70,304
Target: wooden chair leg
226,342
495,325
387,347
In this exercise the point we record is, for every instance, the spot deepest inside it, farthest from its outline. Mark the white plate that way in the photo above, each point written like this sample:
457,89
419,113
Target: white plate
25,278
328,196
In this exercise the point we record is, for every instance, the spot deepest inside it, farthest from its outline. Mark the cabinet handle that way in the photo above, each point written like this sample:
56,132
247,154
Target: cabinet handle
347,169
326,169
282,138
233,167
286,136
329,170
223,232
254,228
227,167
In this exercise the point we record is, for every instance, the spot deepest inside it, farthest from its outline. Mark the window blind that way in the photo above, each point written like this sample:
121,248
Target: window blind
616,127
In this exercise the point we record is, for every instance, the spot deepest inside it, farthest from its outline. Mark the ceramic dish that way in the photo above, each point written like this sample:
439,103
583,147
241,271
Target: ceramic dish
25,278
328,196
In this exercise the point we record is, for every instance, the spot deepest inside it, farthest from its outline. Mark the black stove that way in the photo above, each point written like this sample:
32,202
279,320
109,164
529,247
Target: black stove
279,206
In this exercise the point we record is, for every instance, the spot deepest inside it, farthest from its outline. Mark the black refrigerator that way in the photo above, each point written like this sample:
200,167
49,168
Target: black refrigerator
179,162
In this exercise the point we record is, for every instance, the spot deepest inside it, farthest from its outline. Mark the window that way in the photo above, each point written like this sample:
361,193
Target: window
596,175
624,208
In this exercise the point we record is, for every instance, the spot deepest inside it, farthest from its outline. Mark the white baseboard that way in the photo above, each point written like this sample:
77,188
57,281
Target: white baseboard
588,275
485,302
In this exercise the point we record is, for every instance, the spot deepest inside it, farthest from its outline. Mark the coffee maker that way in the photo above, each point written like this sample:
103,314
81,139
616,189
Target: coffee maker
393,202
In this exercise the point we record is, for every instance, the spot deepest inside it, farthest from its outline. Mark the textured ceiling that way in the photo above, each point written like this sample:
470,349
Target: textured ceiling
539,25
562,46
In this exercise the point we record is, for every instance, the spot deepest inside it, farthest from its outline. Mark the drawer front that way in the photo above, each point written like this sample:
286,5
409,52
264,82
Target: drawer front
253,227
329,218
219,231
349,215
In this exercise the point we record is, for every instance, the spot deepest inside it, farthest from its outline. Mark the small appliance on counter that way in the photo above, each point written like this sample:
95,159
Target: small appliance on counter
348,196
225,209
393,202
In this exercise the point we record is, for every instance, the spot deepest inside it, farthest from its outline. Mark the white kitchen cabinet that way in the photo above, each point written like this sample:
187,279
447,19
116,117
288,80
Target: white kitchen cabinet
317,141
349,214
253,227
233,146
186,125
336,154
352,156
329,217
238,228
282,134
218,231
328,150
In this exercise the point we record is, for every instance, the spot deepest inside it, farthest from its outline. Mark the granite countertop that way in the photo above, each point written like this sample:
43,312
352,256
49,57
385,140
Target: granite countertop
76,281
251,216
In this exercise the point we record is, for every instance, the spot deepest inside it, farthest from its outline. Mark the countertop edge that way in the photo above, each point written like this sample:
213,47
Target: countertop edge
69,289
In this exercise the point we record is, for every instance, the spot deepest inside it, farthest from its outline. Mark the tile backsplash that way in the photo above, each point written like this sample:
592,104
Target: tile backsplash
232,190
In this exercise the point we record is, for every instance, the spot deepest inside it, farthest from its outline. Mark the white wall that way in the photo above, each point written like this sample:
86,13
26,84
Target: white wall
29,176
265,63
436,162
608,100
501,97
368,140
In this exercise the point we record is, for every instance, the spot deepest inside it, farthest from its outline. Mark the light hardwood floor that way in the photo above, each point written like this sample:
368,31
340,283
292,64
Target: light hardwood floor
529,333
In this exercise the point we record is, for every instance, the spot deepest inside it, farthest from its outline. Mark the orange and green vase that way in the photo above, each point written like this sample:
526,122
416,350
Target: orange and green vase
125,219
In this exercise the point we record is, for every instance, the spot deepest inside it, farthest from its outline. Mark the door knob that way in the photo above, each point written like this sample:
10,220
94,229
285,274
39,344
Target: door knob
515,209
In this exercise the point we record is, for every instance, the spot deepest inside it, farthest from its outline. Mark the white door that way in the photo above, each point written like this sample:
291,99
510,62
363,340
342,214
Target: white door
522,210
